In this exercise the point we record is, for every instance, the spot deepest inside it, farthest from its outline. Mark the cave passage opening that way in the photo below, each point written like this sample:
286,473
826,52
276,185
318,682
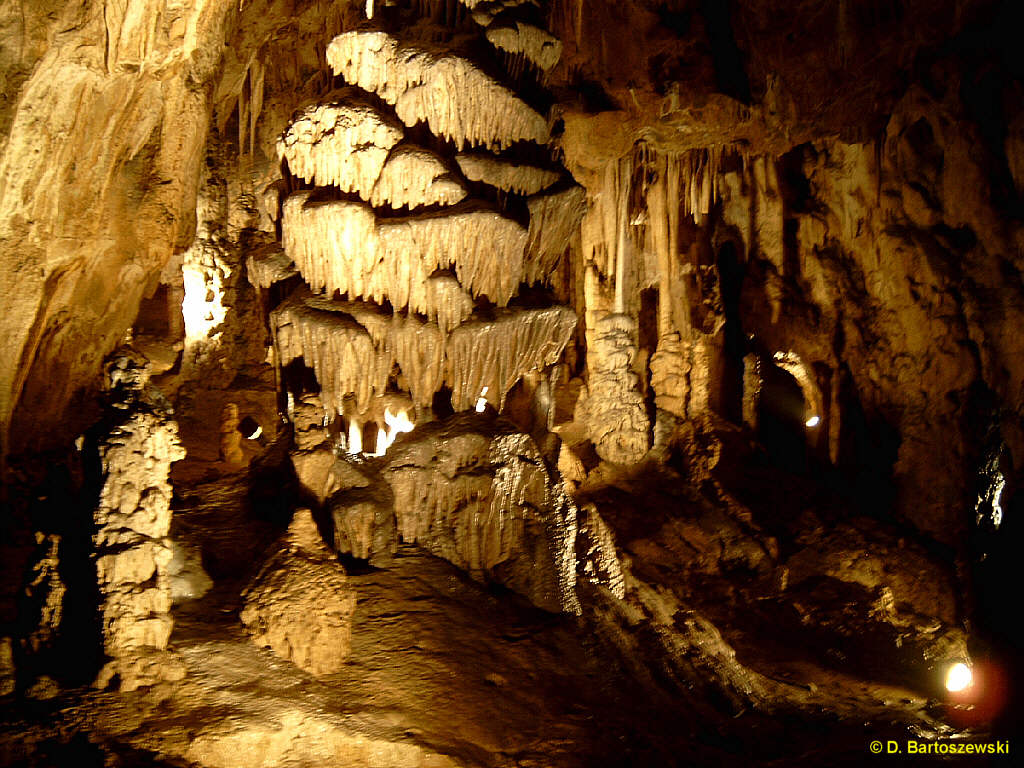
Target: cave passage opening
781,428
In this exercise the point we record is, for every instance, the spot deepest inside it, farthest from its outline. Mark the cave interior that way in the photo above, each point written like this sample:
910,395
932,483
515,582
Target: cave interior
509,382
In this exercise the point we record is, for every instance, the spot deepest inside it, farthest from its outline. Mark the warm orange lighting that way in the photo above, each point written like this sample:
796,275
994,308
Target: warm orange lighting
959,678
355,437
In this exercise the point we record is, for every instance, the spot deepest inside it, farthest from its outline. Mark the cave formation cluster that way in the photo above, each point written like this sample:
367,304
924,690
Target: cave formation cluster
507,382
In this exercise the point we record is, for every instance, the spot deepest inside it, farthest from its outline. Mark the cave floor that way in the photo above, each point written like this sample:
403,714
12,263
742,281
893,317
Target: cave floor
443,671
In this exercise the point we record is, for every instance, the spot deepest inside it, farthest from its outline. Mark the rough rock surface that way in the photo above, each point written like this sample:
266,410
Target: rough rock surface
300,604
475,494
8,672
455,98
133,520
616,414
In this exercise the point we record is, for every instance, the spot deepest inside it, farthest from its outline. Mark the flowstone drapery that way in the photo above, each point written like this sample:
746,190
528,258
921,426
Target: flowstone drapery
414,251
415,278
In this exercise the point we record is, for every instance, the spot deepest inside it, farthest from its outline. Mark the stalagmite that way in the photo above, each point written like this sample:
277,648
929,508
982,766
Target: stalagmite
300,605
554,218
268,265
343,142
339,246
505,174
456,99
670,375
413,176
353,347
133,519
540,47
616,413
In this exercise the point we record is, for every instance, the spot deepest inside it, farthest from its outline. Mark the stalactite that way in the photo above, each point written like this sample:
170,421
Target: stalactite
257,77
339,246
343,142
539,47
657,214
494,354
448,92
243,117
352,348
413,177
623,173
505,174
554,217
268,265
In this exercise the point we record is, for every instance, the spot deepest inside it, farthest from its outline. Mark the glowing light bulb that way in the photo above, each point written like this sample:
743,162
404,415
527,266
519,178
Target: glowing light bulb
396,424
482,402
355,437
813,422
959,677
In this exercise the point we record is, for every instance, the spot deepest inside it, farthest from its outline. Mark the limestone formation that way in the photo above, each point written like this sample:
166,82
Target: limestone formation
301,605
341,246
414,177
554,218
188,579
616,413
449,93
505,174
342,143
539,47
598,557
479,498
8,672
670,368
45,592
268,265
132,549
353,349
792,235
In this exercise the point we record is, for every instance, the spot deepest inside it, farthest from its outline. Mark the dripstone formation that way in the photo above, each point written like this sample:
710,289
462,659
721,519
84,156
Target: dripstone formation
419,201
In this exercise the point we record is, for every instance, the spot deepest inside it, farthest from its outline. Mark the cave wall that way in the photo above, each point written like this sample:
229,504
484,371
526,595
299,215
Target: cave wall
868,170
895,270
106,111
822,199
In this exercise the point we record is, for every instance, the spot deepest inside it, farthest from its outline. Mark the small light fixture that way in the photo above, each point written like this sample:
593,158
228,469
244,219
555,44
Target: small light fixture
959,677
812,422
481,403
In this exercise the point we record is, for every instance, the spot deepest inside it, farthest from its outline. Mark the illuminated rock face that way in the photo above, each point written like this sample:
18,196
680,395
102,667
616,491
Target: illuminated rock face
300,605
133,553
432,266
477,496
880,270
454,97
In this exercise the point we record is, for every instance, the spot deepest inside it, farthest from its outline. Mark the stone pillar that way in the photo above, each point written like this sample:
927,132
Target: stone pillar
616,412
133,520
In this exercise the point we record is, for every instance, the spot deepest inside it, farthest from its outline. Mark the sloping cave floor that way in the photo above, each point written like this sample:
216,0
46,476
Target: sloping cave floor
443,671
